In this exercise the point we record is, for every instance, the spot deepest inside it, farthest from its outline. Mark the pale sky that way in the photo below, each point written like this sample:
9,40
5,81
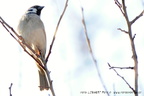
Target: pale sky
70,63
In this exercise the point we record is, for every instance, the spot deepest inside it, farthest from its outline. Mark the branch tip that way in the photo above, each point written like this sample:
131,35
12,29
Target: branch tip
123,30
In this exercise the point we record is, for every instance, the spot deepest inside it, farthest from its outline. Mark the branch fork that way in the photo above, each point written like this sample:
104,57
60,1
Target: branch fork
123,10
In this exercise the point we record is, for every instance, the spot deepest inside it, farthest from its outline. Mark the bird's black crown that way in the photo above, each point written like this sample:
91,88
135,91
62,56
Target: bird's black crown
36,9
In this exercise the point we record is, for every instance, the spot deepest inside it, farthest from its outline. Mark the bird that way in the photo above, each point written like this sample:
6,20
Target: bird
32,31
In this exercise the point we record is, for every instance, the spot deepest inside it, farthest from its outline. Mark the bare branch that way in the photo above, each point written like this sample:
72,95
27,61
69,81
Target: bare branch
47,57
7,27
122,78
121,67
120,6
131,37
91,51
54,36
137,17
50,81
10,88
122,30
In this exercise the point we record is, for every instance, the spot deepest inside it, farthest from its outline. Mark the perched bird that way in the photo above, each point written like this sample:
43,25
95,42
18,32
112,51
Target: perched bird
32,30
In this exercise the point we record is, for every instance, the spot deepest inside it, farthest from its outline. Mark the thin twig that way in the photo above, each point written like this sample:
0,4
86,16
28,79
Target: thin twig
122,30
54,36
120,6
6,26
121,67
10,88
50,81
137,17
47,57
122,78
91,51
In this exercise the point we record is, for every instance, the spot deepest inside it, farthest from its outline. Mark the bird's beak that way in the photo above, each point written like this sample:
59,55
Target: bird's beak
41,7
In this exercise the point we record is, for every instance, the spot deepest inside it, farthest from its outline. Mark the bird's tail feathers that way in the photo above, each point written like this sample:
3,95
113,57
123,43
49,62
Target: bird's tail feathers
43,81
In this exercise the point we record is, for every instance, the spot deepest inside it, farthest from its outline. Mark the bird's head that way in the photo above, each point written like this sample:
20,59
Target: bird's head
36,9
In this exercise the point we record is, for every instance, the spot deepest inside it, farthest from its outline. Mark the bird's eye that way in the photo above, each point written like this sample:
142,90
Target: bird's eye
32,10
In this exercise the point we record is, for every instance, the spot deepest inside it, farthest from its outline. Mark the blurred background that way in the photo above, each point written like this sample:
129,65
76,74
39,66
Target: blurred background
72,68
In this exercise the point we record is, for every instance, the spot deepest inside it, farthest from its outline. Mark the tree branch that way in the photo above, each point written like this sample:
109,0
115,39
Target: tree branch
91,51
137,17
47,57
133,48
54,36
122,30
131,37
10,88
111,67
120,6
122,78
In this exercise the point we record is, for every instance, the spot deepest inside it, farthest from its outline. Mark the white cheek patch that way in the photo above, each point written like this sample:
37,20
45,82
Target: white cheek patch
32,10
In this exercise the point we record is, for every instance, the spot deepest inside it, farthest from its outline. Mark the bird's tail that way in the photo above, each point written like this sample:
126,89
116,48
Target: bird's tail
43,80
